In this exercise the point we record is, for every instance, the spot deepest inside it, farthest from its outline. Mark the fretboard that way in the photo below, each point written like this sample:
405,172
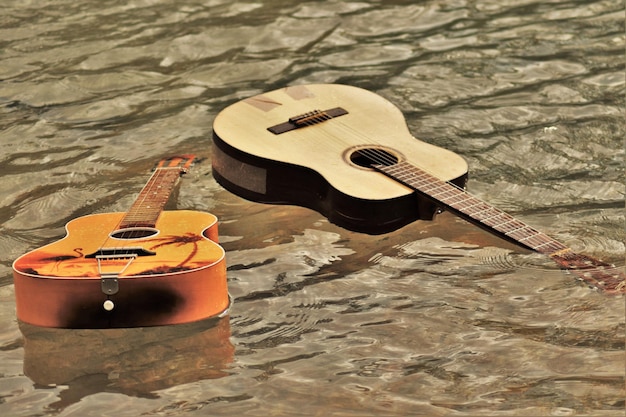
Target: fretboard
149,204
472,208
455,199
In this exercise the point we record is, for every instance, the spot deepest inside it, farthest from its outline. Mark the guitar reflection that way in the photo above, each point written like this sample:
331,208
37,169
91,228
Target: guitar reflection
131,361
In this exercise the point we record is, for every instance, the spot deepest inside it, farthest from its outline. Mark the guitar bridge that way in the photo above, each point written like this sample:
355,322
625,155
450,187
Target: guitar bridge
124,252
307,119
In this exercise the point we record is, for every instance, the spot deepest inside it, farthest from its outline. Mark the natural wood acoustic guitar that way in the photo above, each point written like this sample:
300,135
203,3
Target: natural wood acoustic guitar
347,153
144,267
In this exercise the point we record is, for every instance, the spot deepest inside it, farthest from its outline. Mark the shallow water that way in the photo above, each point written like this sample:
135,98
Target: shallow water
438,318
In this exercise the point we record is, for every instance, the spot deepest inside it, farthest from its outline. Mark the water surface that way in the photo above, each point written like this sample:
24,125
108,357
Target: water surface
438,318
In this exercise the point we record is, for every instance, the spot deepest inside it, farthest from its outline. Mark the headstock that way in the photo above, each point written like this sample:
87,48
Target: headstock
182,162
600,274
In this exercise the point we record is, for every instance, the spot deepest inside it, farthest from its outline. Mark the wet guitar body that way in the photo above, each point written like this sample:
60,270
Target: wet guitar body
347,153
141,268
299,167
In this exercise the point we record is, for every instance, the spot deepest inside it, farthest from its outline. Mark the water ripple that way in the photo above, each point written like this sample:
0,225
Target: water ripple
436,318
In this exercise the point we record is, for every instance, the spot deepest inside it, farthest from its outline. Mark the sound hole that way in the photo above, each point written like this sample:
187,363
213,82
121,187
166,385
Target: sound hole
134,233
366,157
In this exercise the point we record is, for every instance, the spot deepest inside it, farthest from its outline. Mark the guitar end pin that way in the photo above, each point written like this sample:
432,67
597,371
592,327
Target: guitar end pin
108,305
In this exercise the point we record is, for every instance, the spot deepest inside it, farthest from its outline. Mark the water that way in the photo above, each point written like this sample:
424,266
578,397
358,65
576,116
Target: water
438,318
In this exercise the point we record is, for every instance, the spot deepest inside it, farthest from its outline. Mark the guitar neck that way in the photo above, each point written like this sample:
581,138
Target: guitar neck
455,199
148,206
473,209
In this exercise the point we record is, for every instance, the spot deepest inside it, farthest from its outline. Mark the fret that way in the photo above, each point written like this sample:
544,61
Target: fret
418,184
476,207
409,169
486,213
447,194
521,233
148,206
495,221
510,226
550,247
441,193
517,229
531,235
395,169
459,203
468,203
536,240
428,187
403,177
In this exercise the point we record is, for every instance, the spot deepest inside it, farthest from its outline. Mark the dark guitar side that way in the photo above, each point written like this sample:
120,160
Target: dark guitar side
290,184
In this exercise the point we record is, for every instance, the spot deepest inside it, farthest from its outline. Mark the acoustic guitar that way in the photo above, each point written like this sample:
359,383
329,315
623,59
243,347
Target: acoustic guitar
144,267
347,153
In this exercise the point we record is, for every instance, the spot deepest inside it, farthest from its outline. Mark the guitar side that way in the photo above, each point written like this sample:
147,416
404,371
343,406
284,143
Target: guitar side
180,277
293,168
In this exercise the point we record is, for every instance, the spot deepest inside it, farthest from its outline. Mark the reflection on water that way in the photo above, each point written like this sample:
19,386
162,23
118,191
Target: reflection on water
437,318
134,362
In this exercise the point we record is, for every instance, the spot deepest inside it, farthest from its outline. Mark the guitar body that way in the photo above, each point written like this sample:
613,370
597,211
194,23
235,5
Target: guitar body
313,160
176,274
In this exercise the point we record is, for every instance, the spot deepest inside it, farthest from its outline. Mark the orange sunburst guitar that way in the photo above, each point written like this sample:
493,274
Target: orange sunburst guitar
140,268
347,153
